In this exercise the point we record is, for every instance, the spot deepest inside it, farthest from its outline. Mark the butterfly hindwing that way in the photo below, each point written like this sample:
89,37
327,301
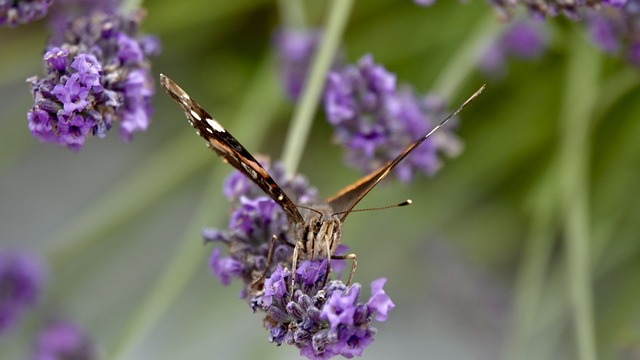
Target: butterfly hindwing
227,147
346,199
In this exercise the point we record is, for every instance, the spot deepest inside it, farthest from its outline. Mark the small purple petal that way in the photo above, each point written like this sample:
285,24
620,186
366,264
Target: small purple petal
312,272
379,301
340,307
57,58
275,286
224,268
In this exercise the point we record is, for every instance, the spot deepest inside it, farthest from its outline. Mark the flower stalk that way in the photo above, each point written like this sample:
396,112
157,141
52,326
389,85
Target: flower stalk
306,107
580,93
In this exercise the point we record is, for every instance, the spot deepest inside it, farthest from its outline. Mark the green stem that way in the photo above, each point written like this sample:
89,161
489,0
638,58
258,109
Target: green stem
306,107
292,14
614,88
536,255
580,93
15,141
259,102
466,58
187,259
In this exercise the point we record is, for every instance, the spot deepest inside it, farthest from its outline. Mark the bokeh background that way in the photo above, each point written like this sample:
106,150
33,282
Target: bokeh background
478,266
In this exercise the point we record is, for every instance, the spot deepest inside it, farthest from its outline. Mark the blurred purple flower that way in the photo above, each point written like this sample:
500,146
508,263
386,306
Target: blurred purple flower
97,76
294,49
522,39
64,340
15,12
424,2
616,30
21,281
614,3
375,121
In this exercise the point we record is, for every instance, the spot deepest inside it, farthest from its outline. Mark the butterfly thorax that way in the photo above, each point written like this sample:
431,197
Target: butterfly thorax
320,235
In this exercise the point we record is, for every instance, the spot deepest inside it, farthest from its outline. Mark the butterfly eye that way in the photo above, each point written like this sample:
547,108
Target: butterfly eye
317,223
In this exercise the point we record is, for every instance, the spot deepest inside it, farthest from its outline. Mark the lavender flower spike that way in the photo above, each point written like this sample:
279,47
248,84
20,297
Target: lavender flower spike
15,12
294,49
322,322
97,76
375,121
64,340
21,281
521,39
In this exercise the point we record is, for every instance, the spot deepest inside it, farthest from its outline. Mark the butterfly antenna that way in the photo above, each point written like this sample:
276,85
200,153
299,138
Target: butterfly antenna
404,203
309,208
470,99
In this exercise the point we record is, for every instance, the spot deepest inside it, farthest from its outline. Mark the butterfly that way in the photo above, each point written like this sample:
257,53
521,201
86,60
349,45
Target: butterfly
319,232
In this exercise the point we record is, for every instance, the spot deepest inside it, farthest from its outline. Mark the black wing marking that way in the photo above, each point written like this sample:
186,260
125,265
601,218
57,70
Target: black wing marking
229,149
345,200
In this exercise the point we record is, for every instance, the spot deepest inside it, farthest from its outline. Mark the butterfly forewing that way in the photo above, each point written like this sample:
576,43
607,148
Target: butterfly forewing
228,148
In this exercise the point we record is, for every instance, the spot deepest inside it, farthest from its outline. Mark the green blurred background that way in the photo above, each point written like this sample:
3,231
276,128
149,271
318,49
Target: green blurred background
479,266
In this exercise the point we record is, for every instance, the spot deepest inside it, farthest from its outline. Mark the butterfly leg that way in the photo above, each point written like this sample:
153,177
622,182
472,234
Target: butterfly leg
294,265
326,274
257,282
353,265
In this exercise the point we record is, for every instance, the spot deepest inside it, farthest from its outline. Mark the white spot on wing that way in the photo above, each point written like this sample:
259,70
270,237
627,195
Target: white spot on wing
195,115
215,125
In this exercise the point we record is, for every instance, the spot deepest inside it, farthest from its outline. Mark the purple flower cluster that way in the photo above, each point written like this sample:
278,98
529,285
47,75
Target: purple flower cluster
15,12
323,318
294,49
21,281
522,39
97,76
322,321
375,120
616,30
64,340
